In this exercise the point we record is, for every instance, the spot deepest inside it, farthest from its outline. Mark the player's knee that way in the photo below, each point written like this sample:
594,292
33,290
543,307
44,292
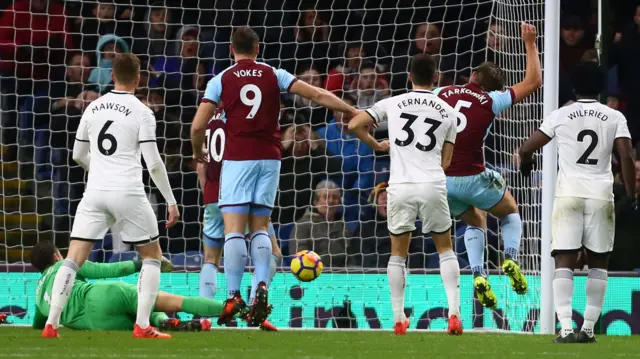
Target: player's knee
150,250
505,207
79,250
235,219
213,255
442,241
475,217
400,244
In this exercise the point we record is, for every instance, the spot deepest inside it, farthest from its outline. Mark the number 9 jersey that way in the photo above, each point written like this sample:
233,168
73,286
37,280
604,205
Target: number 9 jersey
115,125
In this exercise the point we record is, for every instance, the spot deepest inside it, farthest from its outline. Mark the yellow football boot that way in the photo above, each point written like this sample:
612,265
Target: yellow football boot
518,281
484,292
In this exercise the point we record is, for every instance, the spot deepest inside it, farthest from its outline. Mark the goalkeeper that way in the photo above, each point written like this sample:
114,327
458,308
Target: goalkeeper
110,305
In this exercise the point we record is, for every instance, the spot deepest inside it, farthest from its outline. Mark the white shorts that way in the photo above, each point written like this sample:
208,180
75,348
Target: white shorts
128,214
582,222
426,201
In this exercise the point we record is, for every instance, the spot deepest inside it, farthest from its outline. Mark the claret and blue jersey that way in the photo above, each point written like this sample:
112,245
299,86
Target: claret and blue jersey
250,92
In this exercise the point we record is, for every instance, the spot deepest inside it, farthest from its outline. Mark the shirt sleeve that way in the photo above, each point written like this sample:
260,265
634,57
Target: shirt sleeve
91,270
377,112
453,128
502,100
214,90
622,130
548,126
82,134
147,127
285,80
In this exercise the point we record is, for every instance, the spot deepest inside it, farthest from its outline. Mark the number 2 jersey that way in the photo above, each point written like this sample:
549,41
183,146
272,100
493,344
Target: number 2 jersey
476,111
250,92
419,125
586,132
115,125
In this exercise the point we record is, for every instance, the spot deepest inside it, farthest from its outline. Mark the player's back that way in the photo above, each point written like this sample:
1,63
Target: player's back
476,110
250,92
419,124
116,124
586,132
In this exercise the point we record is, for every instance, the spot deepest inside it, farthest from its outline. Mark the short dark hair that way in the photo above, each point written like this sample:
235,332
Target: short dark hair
423,67
244,41
490,76
126,68
588,78
42,255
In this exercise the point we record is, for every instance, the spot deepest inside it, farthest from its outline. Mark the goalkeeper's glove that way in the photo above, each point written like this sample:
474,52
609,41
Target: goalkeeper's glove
165,265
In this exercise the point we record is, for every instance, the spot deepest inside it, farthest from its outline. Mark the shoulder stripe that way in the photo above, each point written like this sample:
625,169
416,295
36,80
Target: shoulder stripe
370,115
542,132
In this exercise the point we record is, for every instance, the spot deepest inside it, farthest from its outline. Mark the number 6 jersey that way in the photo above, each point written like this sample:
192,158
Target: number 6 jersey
115,125
586,132
419,124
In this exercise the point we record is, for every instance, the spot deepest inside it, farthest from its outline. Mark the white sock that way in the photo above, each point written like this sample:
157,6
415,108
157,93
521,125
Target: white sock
563,296
596,289
148,286
450,273
397,277
62,285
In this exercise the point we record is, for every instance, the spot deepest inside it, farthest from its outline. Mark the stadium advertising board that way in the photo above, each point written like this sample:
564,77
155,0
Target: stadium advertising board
314,304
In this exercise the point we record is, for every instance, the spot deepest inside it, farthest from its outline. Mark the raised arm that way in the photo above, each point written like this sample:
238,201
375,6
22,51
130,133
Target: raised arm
533,72
321,97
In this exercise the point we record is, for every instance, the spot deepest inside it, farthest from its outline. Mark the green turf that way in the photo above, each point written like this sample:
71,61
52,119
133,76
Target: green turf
238,344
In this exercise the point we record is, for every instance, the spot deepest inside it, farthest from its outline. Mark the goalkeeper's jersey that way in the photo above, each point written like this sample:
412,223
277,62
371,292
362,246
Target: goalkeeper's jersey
76,305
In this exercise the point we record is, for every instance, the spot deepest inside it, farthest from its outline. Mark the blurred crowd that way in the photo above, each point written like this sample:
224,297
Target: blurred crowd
56,58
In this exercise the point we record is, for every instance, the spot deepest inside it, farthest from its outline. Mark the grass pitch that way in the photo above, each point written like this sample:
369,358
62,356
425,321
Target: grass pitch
21,342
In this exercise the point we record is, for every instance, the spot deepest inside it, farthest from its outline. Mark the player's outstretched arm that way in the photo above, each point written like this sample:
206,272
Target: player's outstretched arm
359,125
321,97
628,164
206,111
533,72
536,141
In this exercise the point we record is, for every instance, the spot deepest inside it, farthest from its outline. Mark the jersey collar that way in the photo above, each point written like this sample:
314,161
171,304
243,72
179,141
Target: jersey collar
121,92
587,101
422,91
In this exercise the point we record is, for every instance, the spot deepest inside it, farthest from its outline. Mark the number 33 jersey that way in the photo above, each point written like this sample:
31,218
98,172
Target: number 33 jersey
419,124
586,132
115,125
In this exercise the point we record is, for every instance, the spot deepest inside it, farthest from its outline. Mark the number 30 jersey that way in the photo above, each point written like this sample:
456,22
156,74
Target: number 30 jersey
115,125
215,142
419,124
250,92
586,132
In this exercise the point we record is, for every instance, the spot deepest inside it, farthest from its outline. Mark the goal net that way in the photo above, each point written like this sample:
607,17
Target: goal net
360,50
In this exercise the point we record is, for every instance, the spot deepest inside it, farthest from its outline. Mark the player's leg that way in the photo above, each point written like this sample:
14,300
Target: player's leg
495,198
90,225
598,239
138,225
401,217
434,213
566,243
276,259
213,233
237,181
263,197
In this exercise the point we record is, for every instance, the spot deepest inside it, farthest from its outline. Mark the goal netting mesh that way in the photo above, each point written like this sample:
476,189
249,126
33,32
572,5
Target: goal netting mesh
358,49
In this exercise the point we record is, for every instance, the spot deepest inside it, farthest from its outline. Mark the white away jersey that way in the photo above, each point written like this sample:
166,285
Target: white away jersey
419,124
115,125
586,132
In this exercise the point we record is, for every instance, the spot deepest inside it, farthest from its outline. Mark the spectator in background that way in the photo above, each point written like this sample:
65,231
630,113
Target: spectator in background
340,77
69,91
495,37
185,47
369,87
312,39
376,241
314,114
101,22
156,30
304,165
357,162
107,48
322,230
626,237
573,42
627,57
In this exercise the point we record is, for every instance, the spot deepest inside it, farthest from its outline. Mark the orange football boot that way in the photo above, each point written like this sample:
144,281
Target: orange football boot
455,325
149,333
50,332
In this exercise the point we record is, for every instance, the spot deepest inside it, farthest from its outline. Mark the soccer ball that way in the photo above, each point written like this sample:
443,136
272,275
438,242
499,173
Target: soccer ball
306,265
